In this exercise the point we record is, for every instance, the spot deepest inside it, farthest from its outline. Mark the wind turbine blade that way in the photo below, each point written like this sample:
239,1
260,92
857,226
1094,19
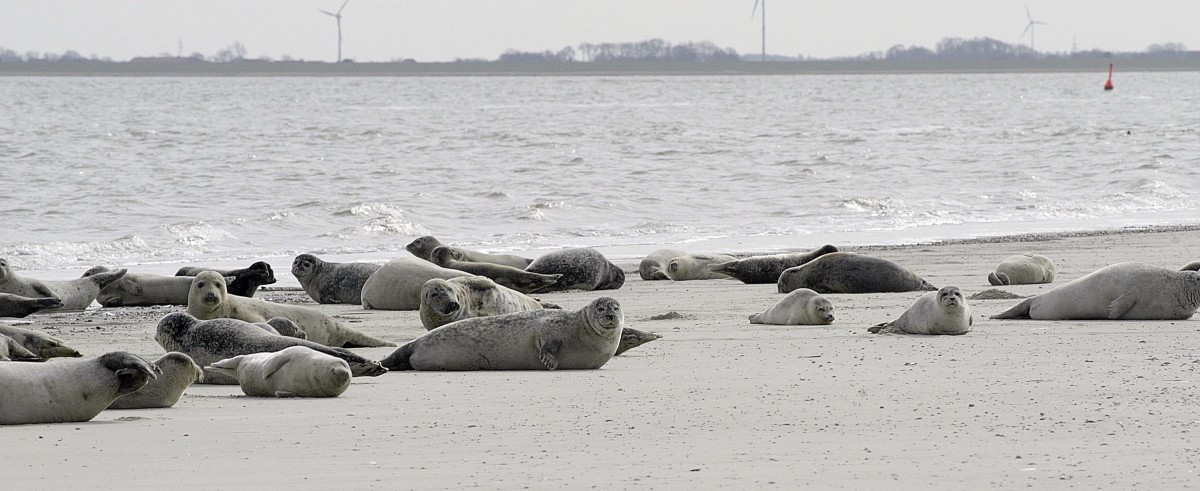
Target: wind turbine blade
755,10
343,6
1027,14
1040,22
326,12
1027,28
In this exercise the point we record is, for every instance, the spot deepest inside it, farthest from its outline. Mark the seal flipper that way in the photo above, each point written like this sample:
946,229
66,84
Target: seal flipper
756,318
728,268
876,328
399,359
998,279
549,352
632,338
1120,305
1019,311
273,365
284,393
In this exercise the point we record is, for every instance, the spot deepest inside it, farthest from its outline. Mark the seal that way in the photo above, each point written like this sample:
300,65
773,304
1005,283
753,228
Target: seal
41,344
139,290
632,338
581,268
291,372
328,282
446,301
847,272
208,342
1023,269
654,266
423,248
1192,266
942,312
282,326
697,267
12,350
209,300
75,294
800,307
507,276
1125,291
69,391
766,269
534,340
18,306
397,285
245,281
178,373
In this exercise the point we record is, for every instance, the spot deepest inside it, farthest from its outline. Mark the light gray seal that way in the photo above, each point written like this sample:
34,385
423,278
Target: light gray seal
800,307
19,306
942,312
328,282
41,344
697,267
136,290
581,268
766,269
208,342
75,294
446,301
69,391
654,266
12,350
245,281
423,248
397,285
291,372
1023,269
534,340
178,373
847,272
1125,291
506,276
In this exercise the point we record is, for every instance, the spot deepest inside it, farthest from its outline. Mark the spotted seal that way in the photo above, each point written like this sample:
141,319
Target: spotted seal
581,268
766,269
329,282
847,272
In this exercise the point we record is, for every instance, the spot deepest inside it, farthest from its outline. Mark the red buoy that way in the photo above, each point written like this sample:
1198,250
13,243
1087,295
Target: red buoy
1108,84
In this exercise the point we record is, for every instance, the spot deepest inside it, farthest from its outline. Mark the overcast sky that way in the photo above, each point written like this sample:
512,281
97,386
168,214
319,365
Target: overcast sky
444,30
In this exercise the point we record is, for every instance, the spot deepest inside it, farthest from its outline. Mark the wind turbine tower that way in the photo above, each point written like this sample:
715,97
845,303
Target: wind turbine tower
338,17
764,25
1029,27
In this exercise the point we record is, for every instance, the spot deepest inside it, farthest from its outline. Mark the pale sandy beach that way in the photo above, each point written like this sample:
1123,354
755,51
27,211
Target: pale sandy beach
716,403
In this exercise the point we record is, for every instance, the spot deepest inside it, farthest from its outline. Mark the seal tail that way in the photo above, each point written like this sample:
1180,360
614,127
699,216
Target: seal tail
632,338
1019,311
875,329
756,318
728,268
927,287
361,340
998,279
398,360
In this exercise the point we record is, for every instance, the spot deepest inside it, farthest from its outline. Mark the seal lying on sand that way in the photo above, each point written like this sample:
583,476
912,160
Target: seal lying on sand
847,272
245,281
581,268
41,344
397,285
291,372
697,267
75,294
1126,291
12,350
507,276
19,306
132,290
178,373
328,282
68,390
535,340
209,300
800,307
654,266
446,301
423,248
766,269
208,342
1023,269
942,312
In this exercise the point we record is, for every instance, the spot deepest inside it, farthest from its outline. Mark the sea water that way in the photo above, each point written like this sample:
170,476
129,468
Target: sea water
151,173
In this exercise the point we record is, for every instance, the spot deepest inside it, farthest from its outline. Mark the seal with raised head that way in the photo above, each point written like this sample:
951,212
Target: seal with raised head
534,340
178,373
282,326
581,268
397,285
19,306
654,266
766,269
697,267
1023,269
446,301
75,294
506,276
942,312
291,372
1125,291
69,391
209,300
847,272
41,344
328,282
245,281
800,307
12,350
208,342
423,247
134,290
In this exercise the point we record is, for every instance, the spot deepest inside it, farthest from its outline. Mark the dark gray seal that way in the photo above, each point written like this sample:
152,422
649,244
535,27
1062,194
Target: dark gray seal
245,281
423,247
13,350
328,282
654,266
506,276
210,341
18,306
582,268
847,272
766,269
1125,291
533,340
1192,266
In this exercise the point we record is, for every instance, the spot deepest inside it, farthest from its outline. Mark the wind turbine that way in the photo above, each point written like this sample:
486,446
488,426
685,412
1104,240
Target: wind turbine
338,16
1029,27
764,25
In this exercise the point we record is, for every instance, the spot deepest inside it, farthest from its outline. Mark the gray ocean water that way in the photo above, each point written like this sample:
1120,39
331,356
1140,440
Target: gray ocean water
162,171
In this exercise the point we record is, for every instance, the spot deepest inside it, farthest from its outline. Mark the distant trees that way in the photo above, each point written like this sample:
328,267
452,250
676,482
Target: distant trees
648,50
235,52
1167,48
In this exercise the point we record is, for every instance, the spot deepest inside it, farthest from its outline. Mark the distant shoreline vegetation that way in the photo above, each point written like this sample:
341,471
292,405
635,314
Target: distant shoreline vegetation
650,57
